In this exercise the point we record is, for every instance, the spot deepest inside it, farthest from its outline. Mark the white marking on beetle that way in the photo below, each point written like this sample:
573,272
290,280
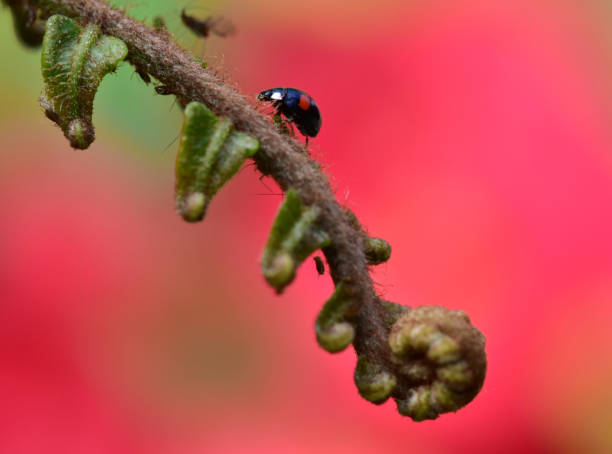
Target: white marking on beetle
277,95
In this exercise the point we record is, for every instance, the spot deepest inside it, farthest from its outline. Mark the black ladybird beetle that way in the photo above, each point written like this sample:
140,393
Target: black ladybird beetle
298,107
319,265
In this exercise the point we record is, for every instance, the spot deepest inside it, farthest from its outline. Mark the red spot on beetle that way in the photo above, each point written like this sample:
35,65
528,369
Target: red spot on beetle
304,102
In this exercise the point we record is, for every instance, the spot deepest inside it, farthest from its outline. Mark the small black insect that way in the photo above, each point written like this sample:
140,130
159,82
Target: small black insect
218,25
297,106
320,265
163,90
143,75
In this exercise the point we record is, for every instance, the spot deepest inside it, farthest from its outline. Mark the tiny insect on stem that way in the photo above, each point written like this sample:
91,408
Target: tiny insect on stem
218,25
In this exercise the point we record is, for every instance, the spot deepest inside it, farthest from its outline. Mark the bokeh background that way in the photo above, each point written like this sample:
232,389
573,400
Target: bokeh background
474,136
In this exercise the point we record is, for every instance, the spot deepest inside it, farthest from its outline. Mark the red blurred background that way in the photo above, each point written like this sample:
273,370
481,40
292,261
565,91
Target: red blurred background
473,136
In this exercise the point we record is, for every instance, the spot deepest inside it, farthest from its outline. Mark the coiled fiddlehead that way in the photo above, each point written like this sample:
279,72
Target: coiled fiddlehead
440,358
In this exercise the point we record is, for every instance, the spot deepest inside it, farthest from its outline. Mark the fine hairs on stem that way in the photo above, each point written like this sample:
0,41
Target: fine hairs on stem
430,360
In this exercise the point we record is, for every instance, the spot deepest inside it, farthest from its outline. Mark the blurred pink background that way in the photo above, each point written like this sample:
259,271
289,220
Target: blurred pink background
474,136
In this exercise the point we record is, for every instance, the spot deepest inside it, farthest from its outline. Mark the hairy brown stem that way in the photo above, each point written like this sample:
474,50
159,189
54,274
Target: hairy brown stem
280,157
430,360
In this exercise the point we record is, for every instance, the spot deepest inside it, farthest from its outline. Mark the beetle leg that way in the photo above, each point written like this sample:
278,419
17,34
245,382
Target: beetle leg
291,127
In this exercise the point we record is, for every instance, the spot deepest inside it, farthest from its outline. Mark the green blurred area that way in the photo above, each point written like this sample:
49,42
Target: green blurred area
125,108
